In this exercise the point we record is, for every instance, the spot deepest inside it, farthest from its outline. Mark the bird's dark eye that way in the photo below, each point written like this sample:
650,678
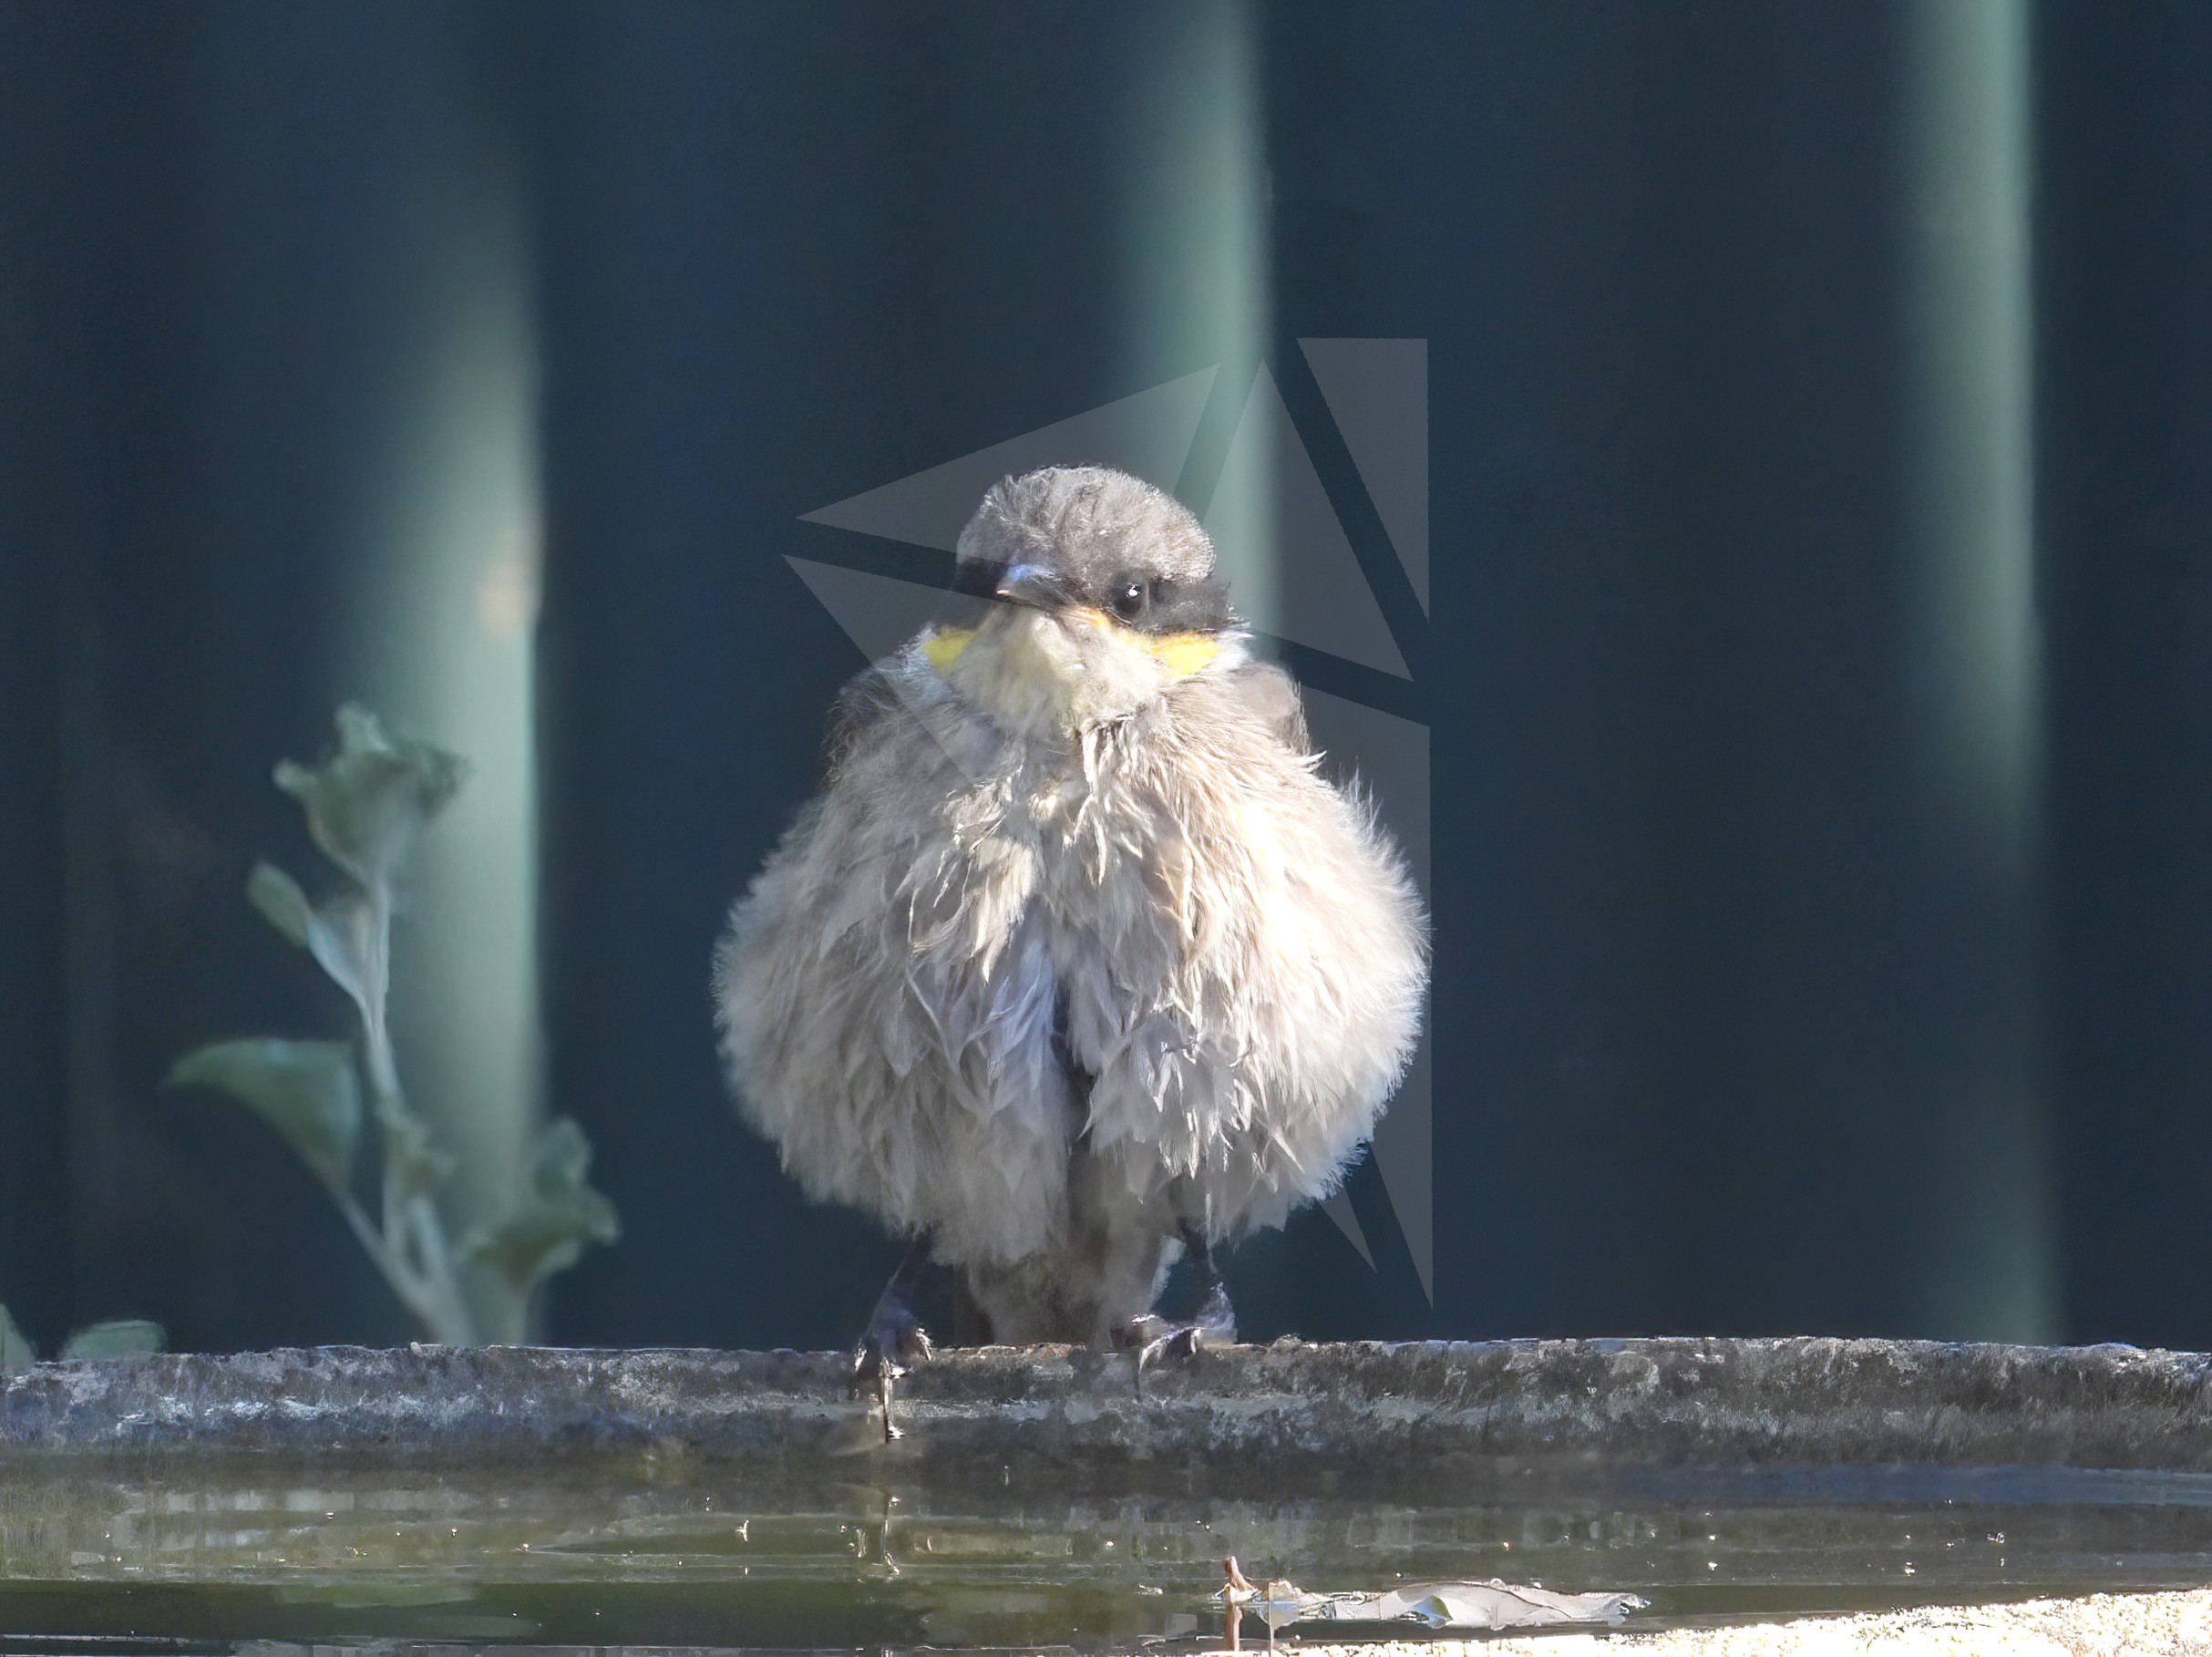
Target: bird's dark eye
1129,600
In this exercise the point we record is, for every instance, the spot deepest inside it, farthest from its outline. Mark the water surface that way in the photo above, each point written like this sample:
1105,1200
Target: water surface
663,1550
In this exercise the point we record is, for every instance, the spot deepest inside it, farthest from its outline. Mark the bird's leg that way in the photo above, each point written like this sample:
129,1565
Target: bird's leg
1214,1325
895,1337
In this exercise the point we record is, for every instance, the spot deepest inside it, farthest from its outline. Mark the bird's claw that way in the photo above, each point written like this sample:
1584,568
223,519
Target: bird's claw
1152,1337
895,1342
1182,1343
1141,1330
897,1338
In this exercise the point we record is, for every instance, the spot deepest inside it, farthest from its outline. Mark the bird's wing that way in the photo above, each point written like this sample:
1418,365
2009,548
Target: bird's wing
859,711
886,1000
1270,692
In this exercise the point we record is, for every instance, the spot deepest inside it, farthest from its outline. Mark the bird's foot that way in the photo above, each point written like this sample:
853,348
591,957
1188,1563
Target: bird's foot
895,1342
1151,1337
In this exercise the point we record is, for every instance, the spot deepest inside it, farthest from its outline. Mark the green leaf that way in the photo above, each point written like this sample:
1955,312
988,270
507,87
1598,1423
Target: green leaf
308,1091
563,1160
366,804
120,1338
345,939
280,899
414,1157
342,935
548,1232
16,1353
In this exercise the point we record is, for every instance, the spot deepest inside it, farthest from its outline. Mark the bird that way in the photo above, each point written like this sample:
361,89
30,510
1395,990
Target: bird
1077,964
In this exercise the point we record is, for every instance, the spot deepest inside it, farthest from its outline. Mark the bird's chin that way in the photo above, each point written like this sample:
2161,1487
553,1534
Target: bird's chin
1047,672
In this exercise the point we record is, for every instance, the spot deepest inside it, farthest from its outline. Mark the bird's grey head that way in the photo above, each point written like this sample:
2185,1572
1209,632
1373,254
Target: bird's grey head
1090,536
1085,593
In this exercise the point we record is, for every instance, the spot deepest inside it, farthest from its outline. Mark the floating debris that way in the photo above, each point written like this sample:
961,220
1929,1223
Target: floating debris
1438,1607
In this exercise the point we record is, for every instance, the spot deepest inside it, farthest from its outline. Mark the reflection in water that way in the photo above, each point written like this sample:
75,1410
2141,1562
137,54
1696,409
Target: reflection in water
639,1551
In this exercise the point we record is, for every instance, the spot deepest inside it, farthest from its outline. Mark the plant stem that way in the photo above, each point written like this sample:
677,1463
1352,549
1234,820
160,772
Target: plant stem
412,1253
417,1296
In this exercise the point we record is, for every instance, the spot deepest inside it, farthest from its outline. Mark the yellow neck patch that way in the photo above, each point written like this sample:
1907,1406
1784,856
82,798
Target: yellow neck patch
943,646
1182,653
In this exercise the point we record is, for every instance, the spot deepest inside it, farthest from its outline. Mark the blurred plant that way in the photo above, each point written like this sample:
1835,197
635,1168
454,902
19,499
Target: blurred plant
122,1338
366,808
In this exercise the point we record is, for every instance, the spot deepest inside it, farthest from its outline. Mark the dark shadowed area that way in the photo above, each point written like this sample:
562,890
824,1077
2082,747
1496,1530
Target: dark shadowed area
1806,666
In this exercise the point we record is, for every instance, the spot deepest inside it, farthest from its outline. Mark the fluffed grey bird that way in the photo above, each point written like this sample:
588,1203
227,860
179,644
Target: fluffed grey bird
1076,961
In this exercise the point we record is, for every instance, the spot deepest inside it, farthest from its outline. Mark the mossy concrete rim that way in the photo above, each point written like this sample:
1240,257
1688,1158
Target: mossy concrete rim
1354,1418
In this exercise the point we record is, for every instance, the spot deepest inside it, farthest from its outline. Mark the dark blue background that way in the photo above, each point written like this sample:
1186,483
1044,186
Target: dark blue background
1703,963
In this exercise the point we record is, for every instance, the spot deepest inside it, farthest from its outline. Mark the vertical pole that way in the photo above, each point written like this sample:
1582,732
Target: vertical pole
1976,673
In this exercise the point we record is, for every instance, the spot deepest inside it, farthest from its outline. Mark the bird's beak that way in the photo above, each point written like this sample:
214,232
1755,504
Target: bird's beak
1034,585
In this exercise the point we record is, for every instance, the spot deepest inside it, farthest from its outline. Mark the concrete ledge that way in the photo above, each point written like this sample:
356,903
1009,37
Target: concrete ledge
1349,1417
